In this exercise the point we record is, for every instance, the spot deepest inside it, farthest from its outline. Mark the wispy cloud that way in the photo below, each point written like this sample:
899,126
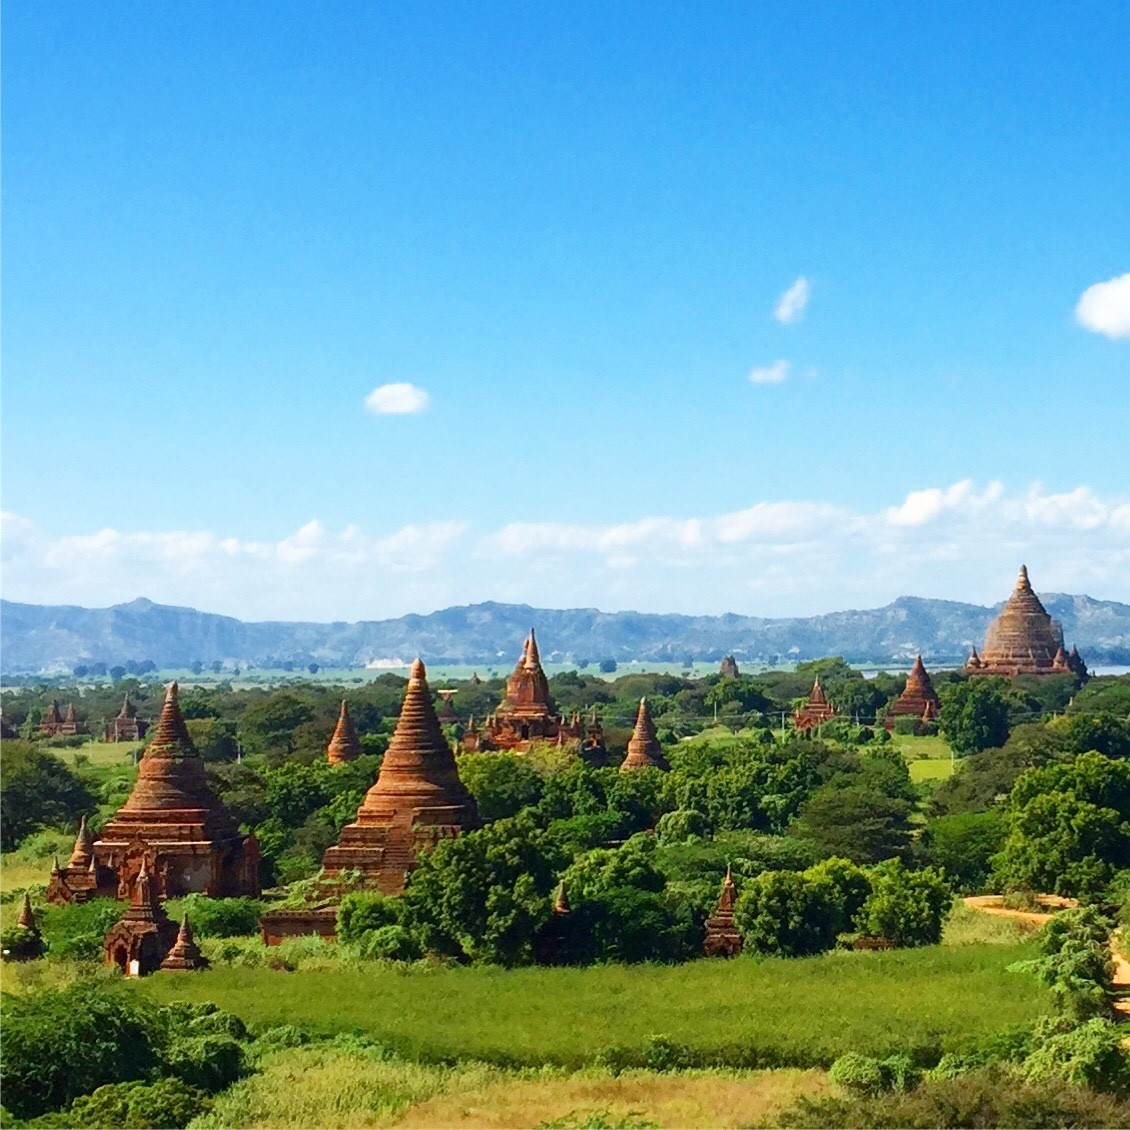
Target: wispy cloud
397,399
1105,307
774,558
770,374
790,306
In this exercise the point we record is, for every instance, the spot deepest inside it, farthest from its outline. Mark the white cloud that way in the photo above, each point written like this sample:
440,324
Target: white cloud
790,306
783,557
1105,307
770,374
399,399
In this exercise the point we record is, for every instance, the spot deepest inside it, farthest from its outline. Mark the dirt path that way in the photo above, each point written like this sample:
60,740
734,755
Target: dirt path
993,904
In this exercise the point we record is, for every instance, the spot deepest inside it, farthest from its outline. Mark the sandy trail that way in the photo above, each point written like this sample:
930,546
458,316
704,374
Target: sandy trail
993,904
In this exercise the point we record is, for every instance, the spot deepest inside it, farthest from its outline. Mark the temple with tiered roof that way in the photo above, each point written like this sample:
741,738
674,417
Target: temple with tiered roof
143,938
344,745
171,819
918,700
1024,640
126,726
815,711
58,725
417,800
644,749
527,714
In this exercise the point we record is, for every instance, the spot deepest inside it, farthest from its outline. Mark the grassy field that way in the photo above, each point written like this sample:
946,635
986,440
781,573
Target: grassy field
777,1012
101,754
330,1086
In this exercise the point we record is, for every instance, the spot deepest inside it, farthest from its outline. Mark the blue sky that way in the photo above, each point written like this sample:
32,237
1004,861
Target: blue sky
570,226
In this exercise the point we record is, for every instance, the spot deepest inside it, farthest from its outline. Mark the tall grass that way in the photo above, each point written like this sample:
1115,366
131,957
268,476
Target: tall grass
331,1085
742,1013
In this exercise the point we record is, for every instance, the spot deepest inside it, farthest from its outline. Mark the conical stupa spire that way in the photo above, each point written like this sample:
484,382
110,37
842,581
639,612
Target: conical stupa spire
1022,581
418,769
561,902
82,853
171,737
185,954
643,746
27,915
532,655
344,745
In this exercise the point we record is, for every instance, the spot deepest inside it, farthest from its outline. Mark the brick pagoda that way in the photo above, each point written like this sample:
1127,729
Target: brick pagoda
126,727
344,745
55,725
417,800
527,714
643,747
722,937
728,669
1024,640
173,814
918,699
83,878
816,711
143,938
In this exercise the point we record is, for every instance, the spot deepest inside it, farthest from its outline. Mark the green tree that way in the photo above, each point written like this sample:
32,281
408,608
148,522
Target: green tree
484,895
908,908
1068,829
785,914
501,783
975,714
856,822
37,791
963,846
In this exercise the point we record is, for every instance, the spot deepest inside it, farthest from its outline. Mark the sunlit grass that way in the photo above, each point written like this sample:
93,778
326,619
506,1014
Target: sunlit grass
931,769
774,1012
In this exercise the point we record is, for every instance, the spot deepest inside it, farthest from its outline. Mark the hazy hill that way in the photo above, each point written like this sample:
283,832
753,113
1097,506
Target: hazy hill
42,637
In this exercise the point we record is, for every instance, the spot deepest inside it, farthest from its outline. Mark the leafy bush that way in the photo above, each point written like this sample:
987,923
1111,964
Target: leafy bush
208,1062
280,1037
1075,963
908,908
167,1103
362,912
223,918
75,930
37,791
681,825
60,1044
20,944
390,943
861,1073
1088,1055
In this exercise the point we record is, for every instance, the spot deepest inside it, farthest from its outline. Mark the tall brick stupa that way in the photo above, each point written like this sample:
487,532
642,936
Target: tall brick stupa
417,800
918,700
173,818
643,747
1024,640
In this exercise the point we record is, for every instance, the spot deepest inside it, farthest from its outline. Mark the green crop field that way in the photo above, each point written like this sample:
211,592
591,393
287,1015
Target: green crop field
745,1012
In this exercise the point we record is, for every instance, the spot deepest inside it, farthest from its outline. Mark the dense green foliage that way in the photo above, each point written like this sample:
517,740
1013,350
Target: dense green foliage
37,791
975,714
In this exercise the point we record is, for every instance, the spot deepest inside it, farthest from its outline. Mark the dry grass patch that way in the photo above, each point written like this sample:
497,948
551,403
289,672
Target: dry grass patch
683,1099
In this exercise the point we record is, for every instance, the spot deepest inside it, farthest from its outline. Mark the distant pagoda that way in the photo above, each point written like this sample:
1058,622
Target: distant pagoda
816,711
417,800
1024,640
126,726
527,713
55,724
643,747
918,699
344,745
173,819
723,938
729,667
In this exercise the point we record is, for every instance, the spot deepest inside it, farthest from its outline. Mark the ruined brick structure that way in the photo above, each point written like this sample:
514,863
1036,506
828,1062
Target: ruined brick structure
816,711
344,745
643,746
56,725
729,668
126,727
1024,640
918,699
143,938
185,955
722,937
417,800
527,714
172,823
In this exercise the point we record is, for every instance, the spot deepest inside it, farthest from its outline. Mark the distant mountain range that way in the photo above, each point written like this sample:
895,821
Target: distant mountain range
56,638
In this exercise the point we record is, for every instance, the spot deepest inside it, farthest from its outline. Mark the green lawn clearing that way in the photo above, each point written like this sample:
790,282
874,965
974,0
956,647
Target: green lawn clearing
740,1013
